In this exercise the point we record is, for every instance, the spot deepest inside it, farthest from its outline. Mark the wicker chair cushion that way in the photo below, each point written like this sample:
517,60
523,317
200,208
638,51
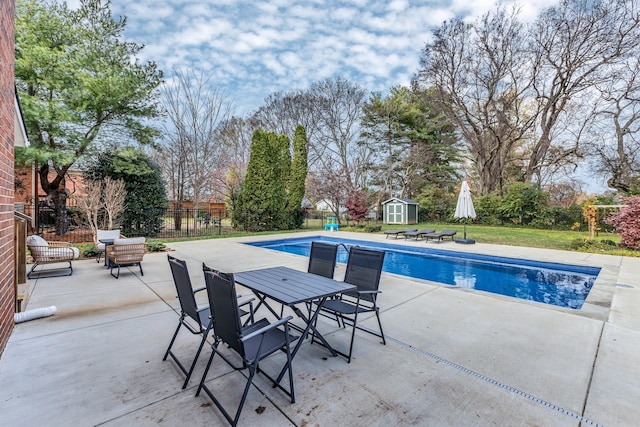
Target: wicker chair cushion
129,241
35,240
105,234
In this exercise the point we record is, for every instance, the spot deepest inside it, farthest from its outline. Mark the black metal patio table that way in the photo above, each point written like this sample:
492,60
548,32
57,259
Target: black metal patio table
292,287
106,242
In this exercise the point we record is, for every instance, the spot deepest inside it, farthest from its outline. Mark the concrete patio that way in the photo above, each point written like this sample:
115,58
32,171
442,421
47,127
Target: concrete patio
454,357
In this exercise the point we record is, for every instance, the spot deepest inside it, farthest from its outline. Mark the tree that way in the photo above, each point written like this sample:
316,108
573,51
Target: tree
78,81
263,201
91,203
235,134
627,222
340,162
482,76
523,203
413,144
357,206
297,178
384,131
330,111
103,203
617,150
575,46
114,196
522,99
193,146
283,112
329,187
146,199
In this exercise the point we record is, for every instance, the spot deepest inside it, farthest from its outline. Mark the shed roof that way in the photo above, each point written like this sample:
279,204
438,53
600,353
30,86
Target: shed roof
398,199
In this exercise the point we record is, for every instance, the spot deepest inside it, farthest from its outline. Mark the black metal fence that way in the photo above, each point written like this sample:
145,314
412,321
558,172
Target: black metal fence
154,223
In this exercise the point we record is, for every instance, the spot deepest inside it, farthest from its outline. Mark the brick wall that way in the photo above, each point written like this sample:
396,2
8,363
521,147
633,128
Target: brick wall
7,291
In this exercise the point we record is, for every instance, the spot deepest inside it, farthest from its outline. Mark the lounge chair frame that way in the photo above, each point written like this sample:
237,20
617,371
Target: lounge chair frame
396,233
439,236
419,233
54,253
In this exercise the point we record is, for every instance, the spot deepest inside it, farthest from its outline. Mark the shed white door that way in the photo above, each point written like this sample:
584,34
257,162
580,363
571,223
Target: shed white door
395,213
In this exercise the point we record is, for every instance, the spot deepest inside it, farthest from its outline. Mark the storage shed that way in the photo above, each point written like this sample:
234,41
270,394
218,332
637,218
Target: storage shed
400,211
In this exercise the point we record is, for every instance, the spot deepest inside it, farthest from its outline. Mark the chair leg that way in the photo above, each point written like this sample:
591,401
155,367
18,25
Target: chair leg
252,372
175,334
208,392
195,359
353,335
33,268
141,272
384,341
38,274
293,396
115,275
205,334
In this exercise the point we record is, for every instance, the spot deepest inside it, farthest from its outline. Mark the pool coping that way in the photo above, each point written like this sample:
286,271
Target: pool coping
597,305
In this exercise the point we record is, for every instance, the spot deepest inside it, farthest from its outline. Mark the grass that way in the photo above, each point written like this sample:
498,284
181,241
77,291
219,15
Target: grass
513,236
535,238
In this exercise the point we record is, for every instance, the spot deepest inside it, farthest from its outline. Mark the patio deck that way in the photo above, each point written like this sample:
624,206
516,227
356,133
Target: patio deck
454,357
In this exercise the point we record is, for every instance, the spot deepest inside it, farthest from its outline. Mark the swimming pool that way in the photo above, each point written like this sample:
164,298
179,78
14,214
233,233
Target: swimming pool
550,283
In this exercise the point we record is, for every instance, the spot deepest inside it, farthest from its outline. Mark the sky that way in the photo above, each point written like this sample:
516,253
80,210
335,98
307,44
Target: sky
251,49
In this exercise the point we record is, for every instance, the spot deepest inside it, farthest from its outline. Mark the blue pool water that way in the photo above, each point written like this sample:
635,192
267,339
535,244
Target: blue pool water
550,283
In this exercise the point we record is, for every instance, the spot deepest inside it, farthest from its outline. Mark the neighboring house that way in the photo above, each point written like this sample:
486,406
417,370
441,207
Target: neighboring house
400,211
212,206
373,212
324,206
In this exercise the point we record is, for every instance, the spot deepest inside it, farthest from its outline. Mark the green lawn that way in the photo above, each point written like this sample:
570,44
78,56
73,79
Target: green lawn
550,239
515,236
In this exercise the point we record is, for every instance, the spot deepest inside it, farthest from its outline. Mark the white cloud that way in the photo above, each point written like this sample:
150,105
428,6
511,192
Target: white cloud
252,48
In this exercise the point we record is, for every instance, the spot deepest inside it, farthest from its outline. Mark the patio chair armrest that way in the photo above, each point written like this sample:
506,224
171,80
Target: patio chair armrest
56,244
267,328
368,292
249,301
199,290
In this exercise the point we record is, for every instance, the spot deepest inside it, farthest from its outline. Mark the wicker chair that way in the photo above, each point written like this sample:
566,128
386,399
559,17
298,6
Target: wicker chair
44,252
104,235
126,253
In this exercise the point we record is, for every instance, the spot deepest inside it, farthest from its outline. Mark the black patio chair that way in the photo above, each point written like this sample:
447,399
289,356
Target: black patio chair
322,260
189,309
249,302
252,343
364,268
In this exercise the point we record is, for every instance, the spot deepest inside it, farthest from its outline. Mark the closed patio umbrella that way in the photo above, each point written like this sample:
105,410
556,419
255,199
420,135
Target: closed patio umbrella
464,209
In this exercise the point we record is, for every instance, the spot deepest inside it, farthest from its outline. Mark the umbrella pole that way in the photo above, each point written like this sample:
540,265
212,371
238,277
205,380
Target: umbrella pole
465,228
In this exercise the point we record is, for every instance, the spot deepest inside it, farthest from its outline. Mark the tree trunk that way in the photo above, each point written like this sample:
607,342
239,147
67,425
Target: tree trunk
177,216
59,199
57,195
